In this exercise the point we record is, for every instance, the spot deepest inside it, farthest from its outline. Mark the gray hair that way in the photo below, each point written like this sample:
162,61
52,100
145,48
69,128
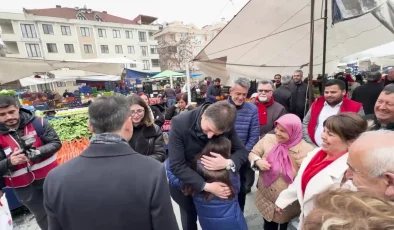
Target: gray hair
388,89
381,159
286,79
265,82
243,82
108,114
222,114
300,72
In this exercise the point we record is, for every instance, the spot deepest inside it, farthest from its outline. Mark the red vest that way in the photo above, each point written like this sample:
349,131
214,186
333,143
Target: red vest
317,106
19,175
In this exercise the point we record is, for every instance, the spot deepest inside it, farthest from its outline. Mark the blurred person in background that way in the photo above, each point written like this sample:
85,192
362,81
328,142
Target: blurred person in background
389,79
181,106
147,137
253,97
325,166
383,117
277,81
169,95
156,113
299,91
214,90
367,94
247,128
268,109
343,209
118,188
278,158
283,95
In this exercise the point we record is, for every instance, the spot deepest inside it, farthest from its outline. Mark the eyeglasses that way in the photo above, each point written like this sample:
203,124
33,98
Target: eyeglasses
264,90
139,112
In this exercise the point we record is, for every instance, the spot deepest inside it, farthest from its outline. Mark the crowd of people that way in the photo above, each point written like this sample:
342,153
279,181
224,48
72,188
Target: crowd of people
326,167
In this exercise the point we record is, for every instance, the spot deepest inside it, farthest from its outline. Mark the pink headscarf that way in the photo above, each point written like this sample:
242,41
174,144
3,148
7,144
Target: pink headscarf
278,157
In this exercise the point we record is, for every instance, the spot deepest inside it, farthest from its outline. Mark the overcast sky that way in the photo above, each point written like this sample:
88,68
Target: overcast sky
199,12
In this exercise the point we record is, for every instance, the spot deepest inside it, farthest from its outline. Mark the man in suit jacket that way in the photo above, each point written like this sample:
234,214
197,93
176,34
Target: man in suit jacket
109,186
283,94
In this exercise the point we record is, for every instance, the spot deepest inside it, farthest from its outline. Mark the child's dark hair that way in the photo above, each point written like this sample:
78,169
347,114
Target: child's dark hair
222,146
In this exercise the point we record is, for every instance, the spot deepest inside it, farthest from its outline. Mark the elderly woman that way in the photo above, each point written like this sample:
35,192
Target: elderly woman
324,166
147,137
180,107
278,157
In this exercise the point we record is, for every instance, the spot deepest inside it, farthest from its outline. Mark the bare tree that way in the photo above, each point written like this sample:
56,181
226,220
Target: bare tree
175,54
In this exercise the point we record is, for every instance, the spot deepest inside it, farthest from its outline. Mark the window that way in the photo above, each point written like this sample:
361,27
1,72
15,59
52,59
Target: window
118,49
129,34
146,64
88,49
85,32
133,65
116,33
28,31
61,84
102,33
75,83
155,63
197,40
66,30
131,49
43,87
153,50
81,17
47,28
69,48
104,49
144,50
142,36
33,50
52,48
172,37
184,36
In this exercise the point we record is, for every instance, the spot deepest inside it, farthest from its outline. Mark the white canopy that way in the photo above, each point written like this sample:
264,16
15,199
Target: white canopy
268,37
28,81
12,69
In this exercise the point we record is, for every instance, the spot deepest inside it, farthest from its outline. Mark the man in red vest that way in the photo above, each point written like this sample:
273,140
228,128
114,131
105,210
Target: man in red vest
334,101
27,153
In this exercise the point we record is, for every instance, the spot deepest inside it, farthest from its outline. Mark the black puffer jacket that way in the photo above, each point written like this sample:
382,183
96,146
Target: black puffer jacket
148,140
51,142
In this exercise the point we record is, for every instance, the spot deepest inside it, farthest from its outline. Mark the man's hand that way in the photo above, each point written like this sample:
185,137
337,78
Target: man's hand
263,165
17,157
278,210
218,189
214,163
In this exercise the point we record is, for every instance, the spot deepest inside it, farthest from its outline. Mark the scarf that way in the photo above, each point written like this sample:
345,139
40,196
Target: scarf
107,138
278,156
262,108
317,106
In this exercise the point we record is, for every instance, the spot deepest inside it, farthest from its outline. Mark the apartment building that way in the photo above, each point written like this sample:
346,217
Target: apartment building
179,42
63,33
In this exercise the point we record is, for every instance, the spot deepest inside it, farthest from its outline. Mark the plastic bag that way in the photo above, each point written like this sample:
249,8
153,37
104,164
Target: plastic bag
5,214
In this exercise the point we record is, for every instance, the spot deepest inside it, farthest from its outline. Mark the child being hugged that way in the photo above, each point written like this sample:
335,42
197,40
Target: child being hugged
213,212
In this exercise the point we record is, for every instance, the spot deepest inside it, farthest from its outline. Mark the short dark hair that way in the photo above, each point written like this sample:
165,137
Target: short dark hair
137,100
280,76
348,126
388,89
182,96
222,114
337,82
6,101
217,80
108,114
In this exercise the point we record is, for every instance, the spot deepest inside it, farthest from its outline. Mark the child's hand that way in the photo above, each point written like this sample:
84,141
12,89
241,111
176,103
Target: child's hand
214,163
218,189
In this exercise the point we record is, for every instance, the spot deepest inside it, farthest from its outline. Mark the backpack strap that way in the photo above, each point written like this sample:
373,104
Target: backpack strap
38,124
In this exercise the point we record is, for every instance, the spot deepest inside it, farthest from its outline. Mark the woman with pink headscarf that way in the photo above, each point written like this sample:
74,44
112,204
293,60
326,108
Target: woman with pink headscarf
278,157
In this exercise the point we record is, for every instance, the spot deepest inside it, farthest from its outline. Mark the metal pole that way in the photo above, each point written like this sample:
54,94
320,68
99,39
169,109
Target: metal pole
189,93
324,42
312,33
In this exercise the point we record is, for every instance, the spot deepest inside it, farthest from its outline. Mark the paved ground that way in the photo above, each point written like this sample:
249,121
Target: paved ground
25,221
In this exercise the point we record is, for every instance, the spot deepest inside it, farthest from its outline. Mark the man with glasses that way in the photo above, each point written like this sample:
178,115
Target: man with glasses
268,110
299,91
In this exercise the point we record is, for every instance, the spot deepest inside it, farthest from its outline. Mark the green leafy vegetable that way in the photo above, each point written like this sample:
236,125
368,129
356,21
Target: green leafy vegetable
70,128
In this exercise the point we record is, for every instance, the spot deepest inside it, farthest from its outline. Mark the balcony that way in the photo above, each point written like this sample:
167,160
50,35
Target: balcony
7,30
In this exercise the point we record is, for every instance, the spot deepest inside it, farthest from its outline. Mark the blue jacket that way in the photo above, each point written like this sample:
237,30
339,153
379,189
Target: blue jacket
247,124
216,213
212,93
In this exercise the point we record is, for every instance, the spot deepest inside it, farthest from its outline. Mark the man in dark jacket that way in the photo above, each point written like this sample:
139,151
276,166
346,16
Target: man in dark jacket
248,129
383,117
299,91
283,94
214,90
25,168
368,93
190,132
109,186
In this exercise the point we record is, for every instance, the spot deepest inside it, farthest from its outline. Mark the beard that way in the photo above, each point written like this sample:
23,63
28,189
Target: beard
263,98
334,102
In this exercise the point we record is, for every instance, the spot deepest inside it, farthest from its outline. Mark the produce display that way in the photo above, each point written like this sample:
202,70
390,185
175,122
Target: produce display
71,128
71,149
72,112
5,92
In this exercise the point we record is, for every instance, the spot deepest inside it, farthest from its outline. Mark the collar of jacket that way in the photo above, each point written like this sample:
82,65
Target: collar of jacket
147,131
104,150
197,120
230,100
